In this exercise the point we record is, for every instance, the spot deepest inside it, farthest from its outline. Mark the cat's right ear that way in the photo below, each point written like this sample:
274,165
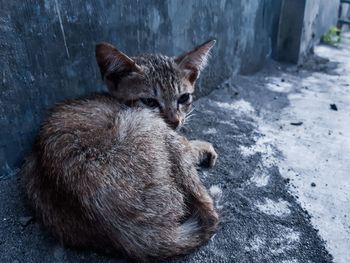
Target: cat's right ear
114,64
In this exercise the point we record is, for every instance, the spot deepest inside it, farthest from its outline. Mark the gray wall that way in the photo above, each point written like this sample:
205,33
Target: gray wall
47,50
344,14
302,23
318,18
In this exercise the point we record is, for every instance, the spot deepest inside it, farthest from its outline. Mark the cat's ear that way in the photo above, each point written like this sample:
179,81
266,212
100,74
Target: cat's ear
113,64
194,61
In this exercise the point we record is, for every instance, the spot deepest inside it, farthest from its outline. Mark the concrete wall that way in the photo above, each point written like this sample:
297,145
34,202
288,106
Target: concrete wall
47,47
319,16
302,23
344,14
47,50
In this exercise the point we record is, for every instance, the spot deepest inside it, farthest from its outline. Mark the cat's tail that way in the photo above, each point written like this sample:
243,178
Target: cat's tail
199,227
195,231
183,239
159,242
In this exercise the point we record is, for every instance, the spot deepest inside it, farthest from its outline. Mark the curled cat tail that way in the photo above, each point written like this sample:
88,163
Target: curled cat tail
195,231
138,245
189,234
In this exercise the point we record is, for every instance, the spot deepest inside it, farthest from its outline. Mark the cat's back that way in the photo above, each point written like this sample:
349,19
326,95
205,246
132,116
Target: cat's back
98,121
97,134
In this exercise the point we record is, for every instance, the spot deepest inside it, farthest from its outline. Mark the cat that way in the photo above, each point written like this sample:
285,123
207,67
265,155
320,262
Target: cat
111,172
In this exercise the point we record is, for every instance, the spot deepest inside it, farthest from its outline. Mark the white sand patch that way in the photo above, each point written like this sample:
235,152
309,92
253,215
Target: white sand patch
280,84
239,106
210,131
256,244
260,179
270,207
286,239
264,146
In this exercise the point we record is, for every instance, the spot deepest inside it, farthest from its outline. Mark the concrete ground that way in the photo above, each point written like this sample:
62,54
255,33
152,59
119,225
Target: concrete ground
283,138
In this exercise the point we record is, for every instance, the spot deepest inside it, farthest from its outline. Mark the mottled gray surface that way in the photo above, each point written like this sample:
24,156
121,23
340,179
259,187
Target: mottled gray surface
47,50
261,220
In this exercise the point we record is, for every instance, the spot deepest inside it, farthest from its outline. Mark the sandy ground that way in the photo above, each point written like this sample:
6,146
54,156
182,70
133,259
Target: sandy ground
309,142
283,167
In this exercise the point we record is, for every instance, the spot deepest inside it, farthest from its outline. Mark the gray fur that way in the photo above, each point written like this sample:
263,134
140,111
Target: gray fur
118,178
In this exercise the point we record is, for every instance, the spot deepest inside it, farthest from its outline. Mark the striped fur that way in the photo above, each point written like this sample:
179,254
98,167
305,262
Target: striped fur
112,175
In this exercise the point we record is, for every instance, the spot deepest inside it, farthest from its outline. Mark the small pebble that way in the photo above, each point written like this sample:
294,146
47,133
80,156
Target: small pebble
313,184
333,107
296,123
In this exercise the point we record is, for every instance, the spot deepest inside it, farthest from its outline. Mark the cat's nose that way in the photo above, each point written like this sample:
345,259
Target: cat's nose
174,124
173,120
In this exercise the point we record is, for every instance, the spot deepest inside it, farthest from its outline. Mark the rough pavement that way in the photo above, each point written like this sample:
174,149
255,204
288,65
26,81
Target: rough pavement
283,168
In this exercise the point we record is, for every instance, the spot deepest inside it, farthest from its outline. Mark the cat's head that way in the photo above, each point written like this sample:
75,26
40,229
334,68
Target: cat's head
162,83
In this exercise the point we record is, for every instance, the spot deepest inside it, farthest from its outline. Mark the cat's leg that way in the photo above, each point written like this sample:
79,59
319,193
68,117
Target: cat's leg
204,153
185,155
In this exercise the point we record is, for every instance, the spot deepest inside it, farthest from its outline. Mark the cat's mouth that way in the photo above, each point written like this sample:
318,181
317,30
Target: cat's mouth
174,121
174,125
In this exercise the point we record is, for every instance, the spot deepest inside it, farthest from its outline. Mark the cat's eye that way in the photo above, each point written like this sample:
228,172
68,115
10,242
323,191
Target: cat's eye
150,102
184,98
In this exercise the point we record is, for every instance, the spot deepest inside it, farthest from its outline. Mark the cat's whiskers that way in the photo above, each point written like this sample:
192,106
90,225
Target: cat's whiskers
188,116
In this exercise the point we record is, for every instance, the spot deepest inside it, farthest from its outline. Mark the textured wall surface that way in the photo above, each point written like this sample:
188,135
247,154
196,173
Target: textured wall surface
318,18
302,23
289,31
47,50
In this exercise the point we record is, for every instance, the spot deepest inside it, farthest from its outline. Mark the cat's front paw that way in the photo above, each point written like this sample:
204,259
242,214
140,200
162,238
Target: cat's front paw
209,155
205,152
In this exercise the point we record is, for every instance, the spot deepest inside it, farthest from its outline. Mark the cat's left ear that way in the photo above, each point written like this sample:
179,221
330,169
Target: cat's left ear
194,61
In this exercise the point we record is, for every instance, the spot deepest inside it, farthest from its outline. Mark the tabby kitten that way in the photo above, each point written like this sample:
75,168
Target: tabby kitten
110,172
